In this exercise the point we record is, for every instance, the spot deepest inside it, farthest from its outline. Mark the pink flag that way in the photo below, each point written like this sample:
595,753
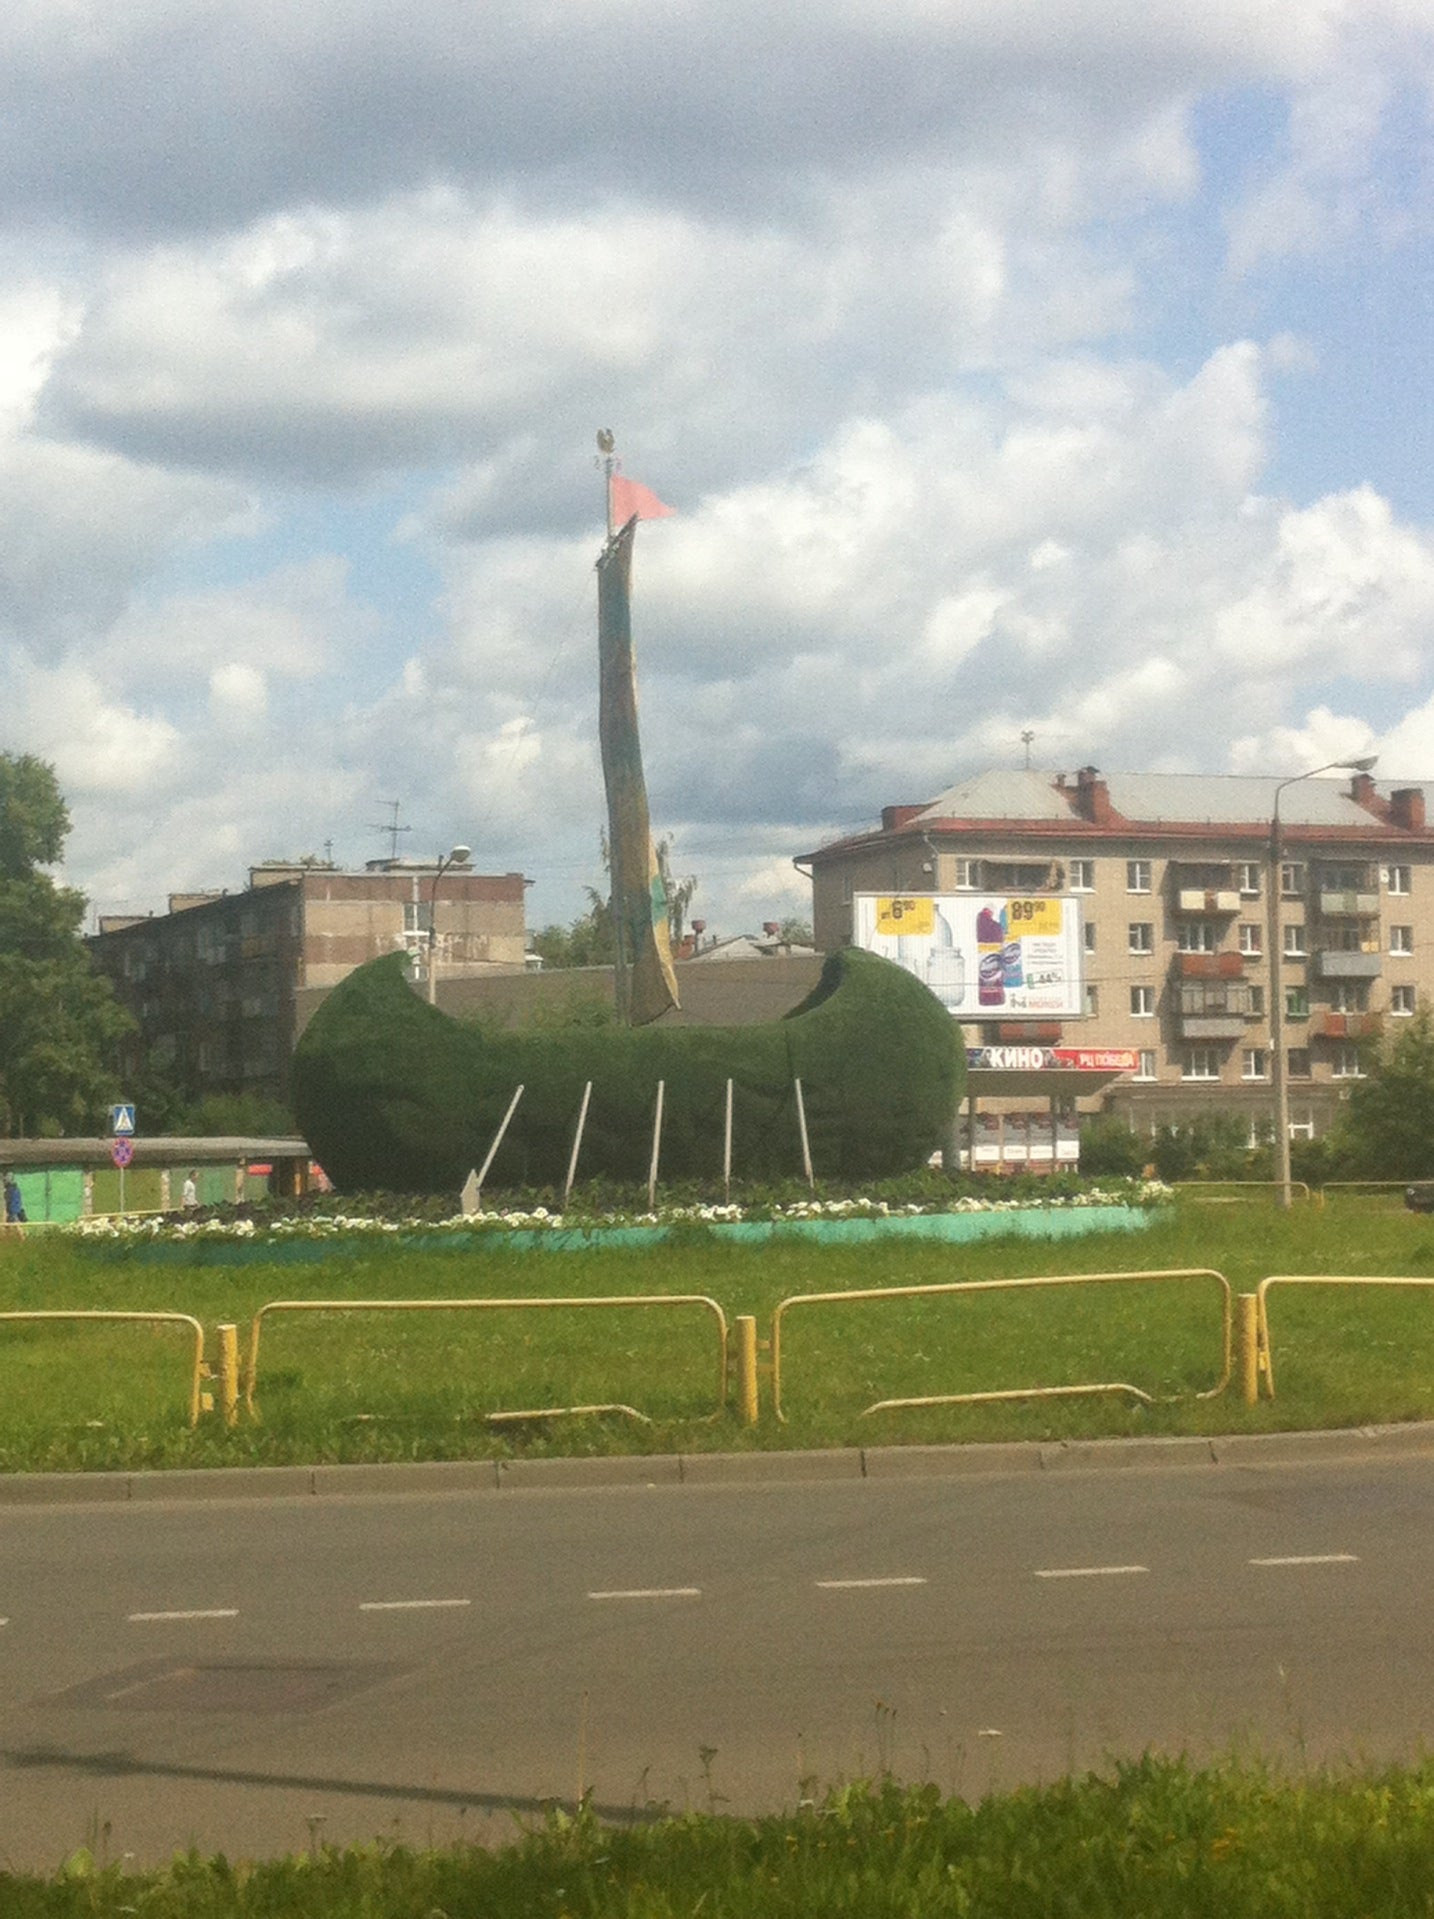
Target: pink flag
629,497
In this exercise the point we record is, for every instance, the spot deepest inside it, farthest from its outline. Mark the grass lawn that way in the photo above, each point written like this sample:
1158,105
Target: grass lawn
1156,1839
382,1387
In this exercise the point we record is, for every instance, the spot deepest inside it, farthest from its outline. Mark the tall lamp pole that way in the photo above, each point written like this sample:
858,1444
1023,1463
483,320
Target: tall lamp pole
457,857
1279,1079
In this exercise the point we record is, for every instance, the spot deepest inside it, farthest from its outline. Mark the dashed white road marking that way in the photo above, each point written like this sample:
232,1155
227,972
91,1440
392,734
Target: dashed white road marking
651,1592
862,1585
1087,1572
196,1612
1310,1559
410,1605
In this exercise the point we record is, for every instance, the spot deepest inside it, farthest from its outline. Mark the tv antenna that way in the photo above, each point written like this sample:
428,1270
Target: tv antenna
1026,737
393,829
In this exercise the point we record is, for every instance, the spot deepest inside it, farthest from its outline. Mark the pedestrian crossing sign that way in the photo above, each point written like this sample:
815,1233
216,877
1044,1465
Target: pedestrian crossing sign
122,1121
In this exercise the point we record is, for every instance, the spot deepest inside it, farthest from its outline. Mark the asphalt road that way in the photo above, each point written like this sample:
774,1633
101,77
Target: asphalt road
252,1674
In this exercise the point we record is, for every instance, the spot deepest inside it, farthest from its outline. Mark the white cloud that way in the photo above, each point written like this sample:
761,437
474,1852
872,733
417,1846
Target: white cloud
915,312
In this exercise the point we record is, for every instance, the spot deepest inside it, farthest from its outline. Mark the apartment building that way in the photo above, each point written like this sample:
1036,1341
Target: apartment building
214,982
1172,876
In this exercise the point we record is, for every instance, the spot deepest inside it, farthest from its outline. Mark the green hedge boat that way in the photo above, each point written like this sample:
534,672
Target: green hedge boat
394,1095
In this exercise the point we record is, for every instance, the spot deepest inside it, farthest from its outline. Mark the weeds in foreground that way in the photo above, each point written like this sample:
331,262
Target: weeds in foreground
1151,1838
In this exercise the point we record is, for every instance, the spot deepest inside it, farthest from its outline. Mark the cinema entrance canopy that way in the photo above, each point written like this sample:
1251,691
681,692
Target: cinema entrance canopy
1058,1073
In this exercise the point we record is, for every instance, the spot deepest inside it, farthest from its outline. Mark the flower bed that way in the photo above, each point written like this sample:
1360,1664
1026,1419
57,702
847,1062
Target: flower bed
1122,1204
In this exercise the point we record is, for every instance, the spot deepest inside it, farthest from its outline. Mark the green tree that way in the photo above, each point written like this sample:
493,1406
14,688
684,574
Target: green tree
59,1022
1386,1130
587,942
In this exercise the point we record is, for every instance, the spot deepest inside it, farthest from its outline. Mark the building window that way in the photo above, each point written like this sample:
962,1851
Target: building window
1249,872
1141,937
1089,932
417,916
1401,939
968,876
1137,876
846,889
1146,1068
1299,1059
1344,939
1200,1062
1294,942
1254,1063
1092,1000
1082,874
1257,1002
1198,936
1297,1002
1250,941
1292,879
1398,879
1401,1001
1347,1063
1349,996
1142,1002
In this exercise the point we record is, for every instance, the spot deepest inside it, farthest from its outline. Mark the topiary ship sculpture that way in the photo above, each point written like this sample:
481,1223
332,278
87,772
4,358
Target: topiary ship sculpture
392,1094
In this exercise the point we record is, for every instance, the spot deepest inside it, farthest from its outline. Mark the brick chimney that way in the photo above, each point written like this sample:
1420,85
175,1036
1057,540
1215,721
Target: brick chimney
1406,809
1361,791
895,816
1092,796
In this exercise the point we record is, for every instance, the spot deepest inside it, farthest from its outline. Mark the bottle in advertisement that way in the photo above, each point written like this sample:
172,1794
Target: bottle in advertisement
946,964
1012,973
990,960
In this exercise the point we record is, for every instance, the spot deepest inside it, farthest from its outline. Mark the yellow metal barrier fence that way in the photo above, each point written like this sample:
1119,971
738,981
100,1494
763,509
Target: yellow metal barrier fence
1352,1186
699,1300
1006,1285
1207,1186
1265,1362
152,1319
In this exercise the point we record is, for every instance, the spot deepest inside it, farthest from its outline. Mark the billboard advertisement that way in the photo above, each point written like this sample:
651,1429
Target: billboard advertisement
984,956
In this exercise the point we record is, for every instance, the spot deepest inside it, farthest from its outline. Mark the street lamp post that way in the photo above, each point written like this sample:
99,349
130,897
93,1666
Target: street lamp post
456,858
1279,1079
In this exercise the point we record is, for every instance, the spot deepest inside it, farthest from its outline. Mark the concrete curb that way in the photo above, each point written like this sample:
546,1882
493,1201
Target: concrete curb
989,1460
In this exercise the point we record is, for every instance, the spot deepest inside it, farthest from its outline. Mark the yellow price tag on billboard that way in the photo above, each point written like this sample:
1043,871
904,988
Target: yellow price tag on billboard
911,914
1033,916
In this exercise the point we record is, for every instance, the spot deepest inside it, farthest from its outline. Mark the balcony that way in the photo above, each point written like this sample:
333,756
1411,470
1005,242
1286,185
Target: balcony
1191,899
1209,965
1213,1009
1339,963
1212,1026
1343,904
1327,1025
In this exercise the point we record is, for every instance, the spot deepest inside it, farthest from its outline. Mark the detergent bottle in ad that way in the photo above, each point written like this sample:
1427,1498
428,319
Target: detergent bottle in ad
1012,973
990,959
946,965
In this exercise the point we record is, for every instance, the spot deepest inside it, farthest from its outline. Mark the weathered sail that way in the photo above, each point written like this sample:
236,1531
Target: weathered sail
647,985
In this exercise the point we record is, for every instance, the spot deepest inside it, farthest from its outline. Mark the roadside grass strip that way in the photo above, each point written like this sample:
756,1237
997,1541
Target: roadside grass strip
1156,1838
351,1386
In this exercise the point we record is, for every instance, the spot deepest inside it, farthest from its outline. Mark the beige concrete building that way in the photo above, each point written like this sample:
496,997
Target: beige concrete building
215,982
1172,874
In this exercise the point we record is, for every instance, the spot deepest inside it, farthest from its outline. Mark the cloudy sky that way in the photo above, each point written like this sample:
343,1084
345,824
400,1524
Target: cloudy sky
1015,366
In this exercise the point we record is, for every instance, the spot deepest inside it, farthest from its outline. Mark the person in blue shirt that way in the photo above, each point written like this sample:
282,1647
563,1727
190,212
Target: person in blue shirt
14,1205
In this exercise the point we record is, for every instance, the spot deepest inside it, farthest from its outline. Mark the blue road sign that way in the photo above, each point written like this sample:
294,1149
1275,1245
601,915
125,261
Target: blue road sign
122,1121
